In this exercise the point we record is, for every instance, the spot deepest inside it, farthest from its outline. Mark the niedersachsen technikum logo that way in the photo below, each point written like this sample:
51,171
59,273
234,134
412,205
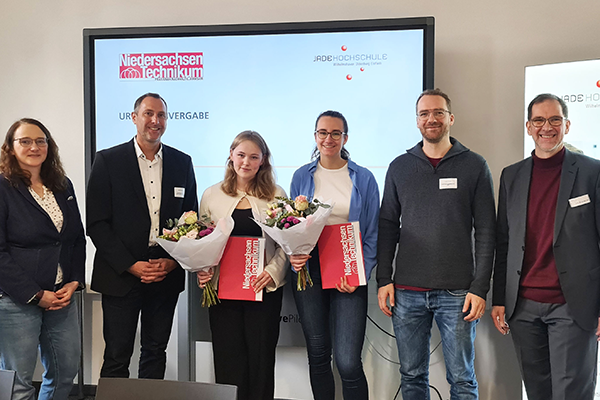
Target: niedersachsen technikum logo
161,66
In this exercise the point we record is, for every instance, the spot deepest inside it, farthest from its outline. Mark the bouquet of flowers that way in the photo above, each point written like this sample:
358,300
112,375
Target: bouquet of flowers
197,244
296,226
188,225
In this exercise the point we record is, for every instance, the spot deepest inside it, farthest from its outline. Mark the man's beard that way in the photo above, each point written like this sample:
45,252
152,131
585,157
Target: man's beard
437,138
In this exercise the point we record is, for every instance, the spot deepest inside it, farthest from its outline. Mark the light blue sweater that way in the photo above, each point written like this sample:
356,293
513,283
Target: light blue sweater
364,204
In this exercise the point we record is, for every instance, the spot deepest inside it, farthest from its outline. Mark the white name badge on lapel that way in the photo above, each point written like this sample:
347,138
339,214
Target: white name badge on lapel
448,183
579,201
180,192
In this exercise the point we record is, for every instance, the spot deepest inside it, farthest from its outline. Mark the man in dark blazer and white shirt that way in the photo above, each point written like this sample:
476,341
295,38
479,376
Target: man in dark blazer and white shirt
547,269
132,190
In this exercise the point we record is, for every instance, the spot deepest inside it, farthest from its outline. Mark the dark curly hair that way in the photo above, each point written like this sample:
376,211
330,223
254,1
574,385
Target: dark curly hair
52,172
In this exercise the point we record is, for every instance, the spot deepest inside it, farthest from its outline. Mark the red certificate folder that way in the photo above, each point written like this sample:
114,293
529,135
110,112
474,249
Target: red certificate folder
243,260
340,254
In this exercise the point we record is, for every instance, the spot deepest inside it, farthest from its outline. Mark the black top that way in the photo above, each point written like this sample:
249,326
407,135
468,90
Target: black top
244,226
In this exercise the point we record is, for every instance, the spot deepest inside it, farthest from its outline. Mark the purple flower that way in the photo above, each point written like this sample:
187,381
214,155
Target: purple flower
205,232
286,225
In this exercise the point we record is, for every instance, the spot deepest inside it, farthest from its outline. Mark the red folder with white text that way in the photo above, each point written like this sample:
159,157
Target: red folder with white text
243,260
340,254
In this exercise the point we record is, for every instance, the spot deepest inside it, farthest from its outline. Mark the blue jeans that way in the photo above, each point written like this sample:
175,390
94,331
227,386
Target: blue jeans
24,327
412,317
323,309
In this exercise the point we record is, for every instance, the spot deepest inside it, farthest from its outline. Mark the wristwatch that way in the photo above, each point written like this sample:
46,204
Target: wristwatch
36,299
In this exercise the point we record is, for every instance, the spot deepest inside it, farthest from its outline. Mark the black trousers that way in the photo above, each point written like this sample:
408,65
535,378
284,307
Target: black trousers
120,316
244,339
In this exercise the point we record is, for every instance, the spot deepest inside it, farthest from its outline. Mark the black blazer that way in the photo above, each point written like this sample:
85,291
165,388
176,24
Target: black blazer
576,236
118,219
30,246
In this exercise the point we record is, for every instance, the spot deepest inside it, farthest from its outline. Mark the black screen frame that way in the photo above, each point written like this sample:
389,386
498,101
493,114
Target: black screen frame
91,35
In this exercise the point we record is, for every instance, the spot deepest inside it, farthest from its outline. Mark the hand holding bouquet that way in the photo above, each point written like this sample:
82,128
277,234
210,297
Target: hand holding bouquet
197,244
296,226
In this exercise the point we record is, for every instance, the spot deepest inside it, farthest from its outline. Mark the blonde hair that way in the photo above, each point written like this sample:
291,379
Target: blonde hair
263,185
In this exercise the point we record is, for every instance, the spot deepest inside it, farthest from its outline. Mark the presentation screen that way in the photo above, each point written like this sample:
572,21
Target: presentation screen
271,78
578,84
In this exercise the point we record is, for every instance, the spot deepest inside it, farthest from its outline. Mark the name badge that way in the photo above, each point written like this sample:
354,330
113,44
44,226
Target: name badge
579,201
448,183
179,192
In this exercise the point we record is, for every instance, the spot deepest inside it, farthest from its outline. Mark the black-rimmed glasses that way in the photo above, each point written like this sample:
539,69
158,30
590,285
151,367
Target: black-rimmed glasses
538,122
335,135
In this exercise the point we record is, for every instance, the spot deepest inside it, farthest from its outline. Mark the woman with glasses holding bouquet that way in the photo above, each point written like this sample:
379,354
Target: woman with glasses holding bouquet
42,263
245,333
333,176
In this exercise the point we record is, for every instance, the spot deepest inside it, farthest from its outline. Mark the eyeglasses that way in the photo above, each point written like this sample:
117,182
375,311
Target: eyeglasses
335,135
538,122
437,114
28,142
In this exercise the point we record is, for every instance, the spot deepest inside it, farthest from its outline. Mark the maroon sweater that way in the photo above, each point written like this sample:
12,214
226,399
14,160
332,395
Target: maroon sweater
539,279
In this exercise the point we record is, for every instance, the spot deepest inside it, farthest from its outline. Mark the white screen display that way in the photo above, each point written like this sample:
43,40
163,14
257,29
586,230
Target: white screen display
276,84
578,84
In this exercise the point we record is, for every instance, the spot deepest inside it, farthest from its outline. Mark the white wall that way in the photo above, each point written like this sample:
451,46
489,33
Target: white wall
481,50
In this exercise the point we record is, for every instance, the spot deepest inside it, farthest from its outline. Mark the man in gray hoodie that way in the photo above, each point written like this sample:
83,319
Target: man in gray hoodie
438,211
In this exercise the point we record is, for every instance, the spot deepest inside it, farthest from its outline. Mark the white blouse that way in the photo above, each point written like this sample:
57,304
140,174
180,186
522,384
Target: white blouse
48,202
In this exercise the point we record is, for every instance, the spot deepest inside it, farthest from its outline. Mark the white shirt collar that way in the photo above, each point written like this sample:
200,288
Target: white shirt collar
140,154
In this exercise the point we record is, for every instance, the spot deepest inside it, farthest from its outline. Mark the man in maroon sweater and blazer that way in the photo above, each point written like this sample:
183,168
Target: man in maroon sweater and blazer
547,267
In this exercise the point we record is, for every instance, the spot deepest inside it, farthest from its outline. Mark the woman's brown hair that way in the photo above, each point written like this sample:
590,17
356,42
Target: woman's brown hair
52,172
